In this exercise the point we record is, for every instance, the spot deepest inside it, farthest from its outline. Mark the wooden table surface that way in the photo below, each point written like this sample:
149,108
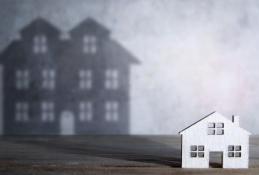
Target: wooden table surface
69,155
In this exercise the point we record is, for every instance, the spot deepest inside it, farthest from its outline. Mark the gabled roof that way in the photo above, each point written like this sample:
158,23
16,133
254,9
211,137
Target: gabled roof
40,25
197,121
14,49
89,25
112,49
207,117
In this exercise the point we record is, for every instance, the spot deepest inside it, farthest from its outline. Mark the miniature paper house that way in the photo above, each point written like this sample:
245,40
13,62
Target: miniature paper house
215,135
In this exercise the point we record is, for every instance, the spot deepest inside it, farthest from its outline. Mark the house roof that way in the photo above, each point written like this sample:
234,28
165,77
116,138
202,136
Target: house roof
89,25
203,119
40,25
112,49
11,50
197,121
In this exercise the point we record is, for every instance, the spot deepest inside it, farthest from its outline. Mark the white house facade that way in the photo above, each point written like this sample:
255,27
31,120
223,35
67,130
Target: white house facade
215,134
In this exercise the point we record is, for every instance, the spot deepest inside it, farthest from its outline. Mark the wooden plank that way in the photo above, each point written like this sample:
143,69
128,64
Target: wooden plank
103,154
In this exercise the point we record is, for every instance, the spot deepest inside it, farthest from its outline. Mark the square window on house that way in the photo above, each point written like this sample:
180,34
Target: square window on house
21,112
220,125
220,131
49,79
85,79
111,111
238,148
197,151
211,125
85,111
193,154
47,109
40,44
230,154
194,148
231,148
237,154
211,131
215,128
22,79
200,148
111,79
89,44
200,154
234,151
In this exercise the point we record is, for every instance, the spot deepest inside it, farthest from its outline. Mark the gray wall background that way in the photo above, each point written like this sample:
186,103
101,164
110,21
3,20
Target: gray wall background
197,56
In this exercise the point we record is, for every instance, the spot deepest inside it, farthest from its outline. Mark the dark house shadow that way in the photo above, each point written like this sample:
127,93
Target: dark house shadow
75,85
130,148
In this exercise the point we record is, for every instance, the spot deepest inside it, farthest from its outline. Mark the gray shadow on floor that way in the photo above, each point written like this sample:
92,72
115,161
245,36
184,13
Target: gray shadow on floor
146,149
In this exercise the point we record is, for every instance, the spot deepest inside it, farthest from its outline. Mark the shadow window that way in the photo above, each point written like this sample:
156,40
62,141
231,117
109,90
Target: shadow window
22,79
111,79
21,112
47,111
40,44
111,111
85,79
85,111
49,76
89,44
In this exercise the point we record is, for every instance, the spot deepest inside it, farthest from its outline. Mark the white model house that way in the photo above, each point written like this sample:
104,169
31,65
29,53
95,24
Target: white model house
215,135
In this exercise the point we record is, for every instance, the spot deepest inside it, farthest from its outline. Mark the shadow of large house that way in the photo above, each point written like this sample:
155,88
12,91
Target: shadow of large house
78,84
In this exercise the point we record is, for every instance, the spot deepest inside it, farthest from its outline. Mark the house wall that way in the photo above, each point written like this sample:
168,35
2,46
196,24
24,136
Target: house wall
22,57
66,57
99,95
197,135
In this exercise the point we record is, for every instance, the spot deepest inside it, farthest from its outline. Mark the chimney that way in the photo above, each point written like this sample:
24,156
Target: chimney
235,120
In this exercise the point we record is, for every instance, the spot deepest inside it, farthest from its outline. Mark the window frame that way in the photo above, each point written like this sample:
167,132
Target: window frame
197,151
215,128
234,151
